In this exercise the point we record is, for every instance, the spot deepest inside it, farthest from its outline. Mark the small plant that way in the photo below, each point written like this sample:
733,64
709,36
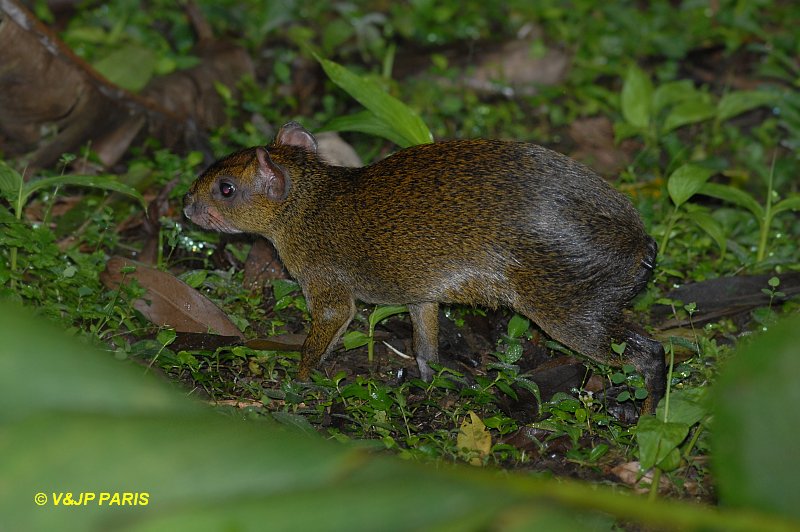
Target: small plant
653,112
355,339
18,192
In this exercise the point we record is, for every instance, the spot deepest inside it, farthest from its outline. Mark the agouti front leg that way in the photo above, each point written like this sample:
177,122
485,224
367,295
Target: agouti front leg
425,320
331,312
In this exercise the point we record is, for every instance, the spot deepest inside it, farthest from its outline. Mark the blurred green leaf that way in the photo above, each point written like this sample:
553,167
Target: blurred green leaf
637,98
755,423
92,181
10,182
686,181
396,115
365,122
689,112
737,102
129,67
788,204
733,195
708,224
672,92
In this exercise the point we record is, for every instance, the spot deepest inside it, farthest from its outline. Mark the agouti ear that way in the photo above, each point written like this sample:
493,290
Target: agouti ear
294,134
271,180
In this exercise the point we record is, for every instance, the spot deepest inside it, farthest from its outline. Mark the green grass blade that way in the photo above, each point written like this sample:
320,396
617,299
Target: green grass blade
365,122
391,111
384,311
791,203
711,227
92,181
733,195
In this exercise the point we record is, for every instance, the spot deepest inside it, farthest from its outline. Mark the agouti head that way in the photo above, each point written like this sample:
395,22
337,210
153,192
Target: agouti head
478,222
244,192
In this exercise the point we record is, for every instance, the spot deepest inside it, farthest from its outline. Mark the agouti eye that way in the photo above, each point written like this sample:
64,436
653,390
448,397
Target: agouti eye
226,189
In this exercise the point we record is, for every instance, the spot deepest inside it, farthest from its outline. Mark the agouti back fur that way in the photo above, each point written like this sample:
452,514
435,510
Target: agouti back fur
479,222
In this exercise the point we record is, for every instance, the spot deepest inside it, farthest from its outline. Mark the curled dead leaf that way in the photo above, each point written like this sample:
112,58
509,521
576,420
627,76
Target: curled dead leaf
169,301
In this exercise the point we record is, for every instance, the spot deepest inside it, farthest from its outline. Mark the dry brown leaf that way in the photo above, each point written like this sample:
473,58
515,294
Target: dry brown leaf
169,301
474,441
629,473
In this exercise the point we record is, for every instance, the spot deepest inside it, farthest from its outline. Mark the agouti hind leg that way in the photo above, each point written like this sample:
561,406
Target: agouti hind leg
425,320
593,339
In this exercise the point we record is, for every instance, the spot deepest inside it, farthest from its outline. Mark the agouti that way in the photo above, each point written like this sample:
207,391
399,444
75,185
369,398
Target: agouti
478,222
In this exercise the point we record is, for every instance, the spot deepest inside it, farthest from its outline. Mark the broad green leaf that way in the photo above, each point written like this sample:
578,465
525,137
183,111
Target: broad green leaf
737,102
283,287
708,224
10,181
129,67
637,98
78,421
791,203
687,406
686,181
391,111
733,195
92,181
58,369
354,339
657,439
689,112
365,122
754,441
517,325
673,92
384,311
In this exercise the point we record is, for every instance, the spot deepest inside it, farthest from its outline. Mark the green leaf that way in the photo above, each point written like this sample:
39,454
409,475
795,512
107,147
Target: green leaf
737,102
283,287
689,112
92,181
673,92
791,203
754,441
708,224
637,98
354,339
382,312
129,67
10,182
365,122
657,439
391,111
687,406
518,325
733,195
686,181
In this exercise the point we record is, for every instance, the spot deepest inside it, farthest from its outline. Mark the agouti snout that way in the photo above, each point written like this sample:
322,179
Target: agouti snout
478,222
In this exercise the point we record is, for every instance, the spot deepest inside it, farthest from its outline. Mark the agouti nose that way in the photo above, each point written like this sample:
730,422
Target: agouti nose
188,205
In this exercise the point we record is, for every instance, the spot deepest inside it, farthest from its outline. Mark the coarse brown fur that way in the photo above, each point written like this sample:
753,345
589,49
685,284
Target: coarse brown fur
479,222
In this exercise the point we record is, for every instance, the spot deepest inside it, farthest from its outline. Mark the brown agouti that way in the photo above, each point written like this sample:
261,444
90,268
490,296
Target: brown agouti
479,222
